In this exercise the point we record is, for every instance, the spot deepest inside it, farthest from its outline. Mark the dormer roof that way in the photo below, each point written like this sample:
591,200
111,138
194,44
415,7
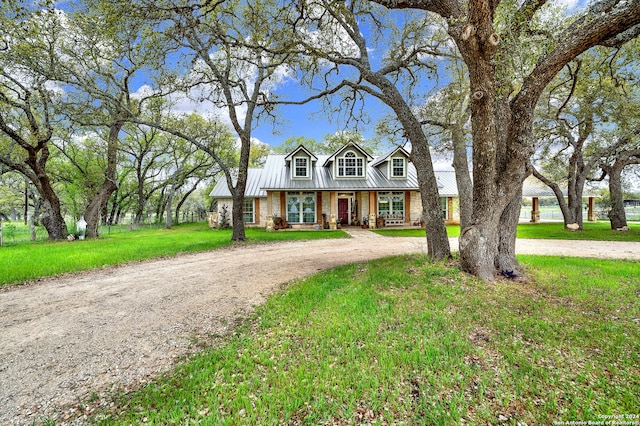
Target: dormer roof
299,149
390,154
349,145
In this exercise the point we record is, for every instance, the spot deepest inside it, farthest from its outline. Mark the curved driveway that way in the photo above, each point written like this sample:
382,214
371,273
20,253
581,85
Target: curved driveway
63,339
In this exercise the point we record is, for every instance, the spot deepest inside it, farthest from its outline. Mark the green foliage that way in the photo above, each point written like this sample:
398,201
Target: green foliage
331,143
404,341
223,220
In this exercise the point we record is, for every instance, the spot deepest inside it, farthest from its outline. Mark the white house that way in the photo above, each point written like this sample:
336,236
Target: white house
349,186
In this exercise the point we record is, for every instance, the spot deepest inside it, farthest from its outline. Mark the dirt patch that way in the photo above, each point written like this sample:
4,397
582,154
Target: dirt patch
65,339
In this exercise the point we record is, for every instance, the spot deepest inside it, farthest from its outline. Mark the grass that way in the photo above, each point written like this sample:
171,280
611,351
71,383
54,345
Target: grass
27,262
404,341
593,231
30,261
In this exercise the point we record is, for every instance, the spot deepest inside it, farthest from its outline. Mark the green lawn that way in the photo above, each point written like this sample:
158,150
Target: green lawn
24,262
30,261
598,231
403,341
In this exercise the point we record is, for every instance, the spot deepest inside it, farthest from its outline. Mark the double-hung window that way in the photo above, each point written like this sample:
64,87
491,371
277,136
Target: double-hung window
301,167
391,203
444,205
301,207
248,210
397,167
350,165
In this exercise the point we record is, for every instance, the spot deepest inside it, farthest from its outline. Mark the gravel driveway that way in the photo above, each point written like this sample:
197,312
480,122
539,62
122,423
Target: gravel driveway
63,339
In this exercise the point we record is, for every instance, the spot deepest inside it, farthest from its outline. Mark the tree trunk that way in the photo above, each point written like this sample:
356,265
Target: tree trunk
184,198
237,192
168,221
479,241
463,179
32,220
506,261
568,213
617,215
52,218
172,191
109,185
437,240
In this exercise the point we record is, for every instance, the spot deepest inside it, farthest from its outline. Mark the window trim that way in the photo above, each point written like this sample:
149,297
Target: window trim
444,206
300,206
392,168
294,167
341,165
389,196
253,210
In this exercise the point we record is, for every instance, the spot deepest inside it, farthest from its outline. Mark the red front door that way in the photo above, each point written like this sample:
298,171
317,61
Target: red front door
343,210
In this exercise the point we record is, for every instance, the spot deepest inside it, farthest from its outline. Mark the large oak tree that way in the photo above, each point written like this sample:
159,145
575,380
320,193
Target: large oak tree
503,100
27,114
382,65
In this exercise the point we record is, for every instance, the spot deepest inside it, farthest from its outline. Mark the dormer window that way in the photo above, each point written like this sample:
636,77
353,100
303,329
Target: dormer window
300,163
350,165
301,167
398,168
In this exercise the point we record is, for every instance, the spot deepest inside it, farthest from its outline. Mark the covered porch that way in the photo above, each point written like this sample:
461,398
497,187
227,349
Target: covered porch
334,209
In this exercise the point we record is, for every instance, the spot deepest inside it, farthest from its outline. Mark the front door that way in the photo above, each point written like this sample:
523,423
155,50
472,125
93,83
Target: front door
343,210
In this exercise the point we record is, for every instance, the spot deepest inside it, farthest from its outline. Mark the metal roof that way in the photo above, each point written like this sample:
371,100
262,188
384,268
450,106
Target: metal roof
533,187
349,145
301,148
381,159
253,190
276,176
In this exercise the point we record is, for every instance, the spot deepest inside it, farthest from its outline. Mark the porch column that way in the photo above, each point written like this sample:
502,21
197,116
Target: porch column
407,208
535,210
333,210
449,209
319,208
269,203
269,216
373,210
256,203
283,205
591,212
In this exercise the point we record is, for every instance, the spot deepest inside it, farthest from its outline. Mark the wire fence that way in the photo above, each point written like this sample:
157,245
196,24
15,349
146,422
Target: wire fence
15,233
553,213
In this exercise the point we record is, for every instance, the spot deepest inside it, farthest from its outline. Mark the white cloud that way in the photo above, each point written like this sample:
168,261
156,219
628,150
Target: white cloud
569,4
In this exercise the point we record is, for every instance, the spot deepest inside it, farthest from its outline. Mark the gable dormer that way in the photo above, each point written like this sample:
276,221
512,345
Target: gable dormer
349,162
300,162
394,165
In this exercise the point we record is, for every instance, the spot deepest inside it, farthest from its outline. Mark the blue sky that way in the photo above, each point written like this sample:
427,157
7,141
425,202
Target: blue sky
310,120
